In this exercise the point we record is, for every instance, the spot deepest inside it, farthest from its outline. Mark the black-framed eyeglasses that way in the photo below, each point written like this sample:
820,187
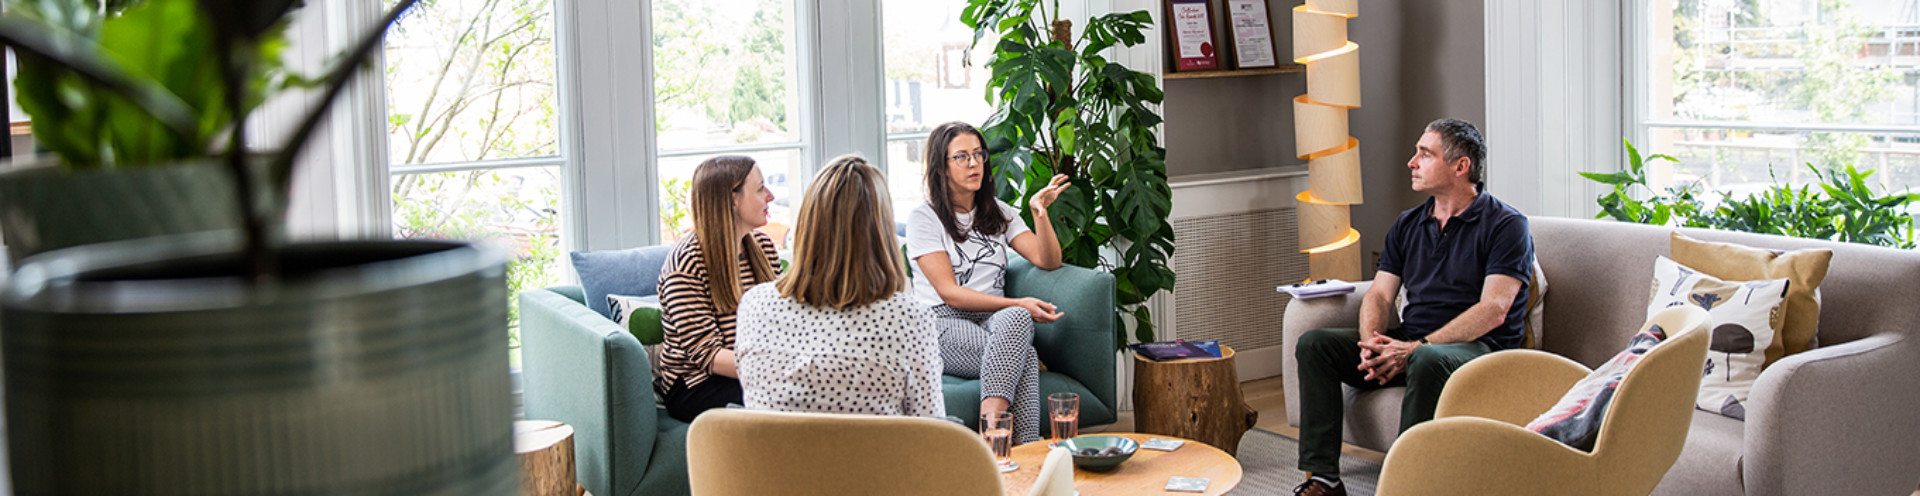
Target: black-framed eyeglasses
979,156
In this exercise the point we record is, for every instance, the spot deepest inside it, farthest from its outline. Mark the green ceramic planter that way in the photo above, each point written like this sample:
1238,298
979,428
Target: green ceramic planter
43,207
147,367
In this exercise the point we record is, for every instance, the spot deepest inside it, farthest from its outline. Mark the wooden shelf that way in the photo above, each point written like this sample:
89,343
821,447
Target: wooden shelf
1282,69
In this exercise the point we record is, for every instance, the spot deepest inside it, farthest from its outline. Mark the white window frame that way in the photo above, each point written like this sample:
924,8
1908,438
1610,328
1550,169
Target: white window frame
608,147
1641,122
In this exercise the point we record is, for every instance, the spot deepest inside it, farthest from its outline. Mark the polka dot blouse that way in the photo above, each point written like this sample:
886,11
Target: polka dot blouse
882,359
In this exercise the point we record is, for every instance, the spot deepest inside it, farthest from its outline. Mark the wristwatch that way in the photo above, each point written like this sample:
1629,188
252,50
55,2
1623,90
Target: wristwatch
1423,340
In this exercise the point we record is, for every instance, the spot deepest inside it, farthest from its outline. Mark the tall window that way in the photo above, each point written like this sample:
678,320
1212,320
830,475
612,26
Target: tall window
1747,93
927,83
726,83
472,130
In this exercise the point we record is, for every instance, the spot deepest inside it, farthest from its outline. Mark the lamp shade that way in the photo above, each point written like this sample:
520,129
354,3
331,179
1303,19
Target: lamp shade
1322,138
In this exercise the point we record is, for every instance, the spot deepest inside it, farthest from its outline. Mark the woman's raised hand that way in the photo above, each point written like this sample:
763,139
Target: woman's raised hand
1045,197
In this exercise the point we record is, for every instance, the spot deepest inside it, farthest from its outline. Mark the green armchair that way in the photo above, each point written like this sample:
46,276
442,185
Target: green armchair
580,368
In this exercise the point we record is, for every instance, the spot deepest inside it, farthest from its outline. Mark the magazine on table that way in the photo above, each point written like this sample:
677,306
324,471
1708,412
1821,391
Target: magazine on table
1177,349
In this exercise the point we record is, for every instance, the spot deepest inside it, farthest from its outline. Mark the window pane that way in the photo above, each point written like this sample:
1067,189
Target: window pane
471,80
781,169
906,176
927,81
1784,61
724,74
1736,163
518,207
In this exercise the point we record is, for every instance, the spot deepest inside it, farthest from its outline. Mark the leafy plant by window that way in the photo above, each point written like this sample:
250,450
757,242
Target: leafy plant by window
1842,206
1060,107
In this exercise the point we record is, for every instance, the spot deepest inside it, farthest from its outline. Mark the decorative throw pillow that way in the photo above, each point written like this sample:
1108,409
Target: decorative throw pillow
1745,317
1805,268
627,272
640,315
1536,312
1575,420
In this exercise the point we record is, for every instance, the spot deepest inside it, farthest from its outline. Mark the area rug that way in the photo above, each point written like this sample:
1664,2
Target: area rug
1271,466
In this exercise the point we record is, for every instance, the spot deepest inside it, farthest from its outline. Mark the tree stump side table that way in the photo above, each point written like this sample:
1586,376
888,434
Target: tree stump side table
1196,398
545,449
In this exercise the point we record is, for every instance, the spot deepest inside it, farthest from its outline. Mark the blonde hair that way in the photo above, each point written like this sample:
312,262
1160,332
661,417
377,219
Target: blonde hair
716,227
844,254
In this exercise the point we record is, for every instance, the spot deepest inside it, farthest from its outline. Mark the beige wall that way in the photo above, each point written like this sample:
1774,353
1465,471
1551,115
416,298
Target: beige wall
1419,60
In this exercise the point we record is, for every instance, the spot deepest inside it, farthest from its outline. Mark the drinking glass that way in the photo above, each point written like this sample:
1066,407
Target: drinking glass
1064,410
997,430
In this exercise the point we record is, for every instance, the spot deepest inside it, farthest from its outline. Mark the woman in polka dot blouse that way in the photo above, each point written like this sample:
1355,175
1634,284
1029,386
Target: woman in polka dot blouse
839,333
959,241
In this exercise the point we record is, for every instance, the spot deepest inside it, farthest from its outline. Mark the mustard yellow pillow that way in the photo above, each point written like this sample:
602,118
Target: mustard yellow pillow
1805,269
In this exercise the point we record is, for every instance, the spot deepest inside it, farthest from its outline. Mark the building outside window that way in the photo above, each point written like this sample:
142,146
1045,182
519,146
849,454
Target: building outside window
1747,93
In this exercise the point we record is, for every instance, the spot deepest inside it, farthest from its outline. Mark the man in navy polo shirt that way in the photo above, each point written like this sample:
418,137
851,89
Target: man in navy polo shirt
1464,259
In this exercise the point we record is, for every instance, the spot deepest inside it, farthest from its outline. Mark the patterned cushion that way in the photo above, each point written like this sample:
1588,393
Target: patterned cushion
1745,318
1575,420
1805,268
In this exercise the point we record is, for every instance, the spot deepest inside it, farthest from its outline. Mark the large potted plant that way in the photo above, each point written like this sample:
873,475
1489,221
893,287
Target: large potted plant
224,363
1060,107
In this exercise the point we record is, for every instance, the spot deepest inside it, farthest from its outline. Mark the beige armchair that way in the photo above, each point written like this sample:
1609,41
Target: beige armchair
749,452
1476,443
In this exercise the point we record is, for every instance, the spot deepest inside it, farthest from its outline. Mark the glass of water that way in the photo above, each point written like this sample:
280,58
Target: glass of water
997,430
1064,411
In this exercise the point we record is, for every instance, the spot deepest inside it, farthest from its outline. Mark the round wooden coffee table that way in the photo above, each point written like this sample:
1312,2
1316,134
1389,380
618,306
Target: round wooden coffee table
1145,473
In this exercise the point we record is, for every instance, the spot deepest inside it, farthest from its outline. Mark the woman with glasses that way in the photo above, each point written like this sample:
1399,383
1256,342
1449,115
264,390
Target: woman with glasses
959,240
701,284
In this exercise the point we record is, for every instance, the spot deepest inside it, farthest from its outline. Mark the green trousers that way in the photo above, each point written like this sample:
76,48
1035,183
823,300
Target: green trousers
1328,358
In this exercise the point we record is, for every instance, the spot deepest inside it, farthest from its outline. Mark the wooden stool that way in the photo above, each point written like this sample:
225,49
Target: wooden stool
546,458
1196,398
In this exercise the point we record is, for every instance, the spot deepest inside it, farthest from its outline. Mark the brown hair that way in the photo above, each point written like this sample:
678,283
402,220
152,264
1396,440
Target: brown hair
844,254
987,217
716,227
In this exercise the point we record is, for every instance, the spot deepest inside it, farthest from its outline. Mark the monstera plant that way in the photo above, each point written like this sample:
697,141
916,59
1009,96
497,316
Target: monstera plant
1060,107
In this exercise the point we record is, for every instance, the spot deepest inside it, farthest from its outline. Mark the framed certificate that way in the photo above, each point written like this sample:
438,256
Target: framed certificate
1252,34
1190,35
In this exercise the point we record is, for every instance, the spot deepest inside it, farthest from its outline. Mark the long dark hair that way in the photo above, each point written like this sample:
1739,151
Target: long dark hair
987,217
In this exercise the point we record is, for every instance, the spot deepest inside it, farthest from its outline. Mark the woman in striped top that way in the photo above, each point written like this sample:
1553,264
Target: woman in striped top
698,299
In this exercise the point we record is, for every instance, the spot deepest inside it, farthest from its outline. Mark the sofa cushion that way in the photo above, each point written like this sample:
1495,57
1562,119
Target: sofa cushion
1744,318
1575,419
627,272
1806,268
1710,462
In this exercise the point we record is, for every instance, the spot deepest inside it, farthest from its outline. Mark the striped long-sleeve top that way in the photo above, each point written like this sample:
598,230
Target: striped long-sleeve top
694,328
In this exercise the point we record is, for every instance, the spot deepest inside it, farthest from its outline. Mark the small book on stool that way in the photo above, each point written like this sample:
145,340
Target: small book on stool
1177,349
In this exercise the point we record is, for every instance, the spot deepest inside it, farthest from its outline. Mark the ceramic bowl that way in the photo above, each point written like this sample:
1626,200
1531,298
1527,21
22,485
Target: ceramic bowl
1092,453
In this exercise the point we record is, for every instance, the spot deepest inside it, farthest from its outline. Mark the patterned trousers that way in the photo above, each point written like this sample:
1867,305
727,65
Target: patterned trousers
996,348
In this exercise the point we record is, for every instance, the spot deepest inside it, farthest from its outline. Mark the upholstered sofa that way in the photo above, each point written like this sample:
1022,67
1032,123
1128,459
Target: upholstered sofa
1837,419
580,368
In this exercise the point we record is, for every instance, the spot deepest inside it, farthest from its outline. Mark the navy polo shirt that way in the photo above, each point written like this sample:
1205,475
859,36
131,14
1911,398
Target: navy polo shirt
1443,270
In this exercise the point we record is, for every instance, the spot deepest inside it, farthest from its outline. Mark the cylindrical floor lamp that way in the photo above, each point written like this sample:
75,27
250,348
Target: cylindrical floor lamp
1321,137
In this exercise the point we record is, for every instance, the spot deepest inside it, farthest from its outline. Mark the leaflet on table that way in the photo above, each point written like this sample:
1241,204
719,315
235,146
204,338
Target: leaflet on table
1316,289
1177,349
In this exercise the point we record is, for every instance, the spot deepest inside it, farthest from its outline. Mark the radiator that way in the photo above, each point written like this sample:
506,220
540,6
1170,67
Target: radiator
1235,239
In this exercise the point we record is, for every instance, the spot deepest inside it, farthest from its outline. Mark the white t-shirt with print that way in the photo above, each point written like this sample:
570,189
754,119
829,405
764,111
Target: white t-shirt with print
979,264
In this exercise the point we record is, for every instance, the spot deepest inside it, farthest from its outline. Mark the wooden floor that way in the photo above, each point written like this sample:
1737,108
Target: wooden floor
1265,396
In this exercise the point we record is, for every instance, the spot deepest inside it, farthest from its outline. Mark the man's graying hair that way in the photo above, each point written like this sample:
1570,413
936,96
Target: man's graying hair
1460,139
